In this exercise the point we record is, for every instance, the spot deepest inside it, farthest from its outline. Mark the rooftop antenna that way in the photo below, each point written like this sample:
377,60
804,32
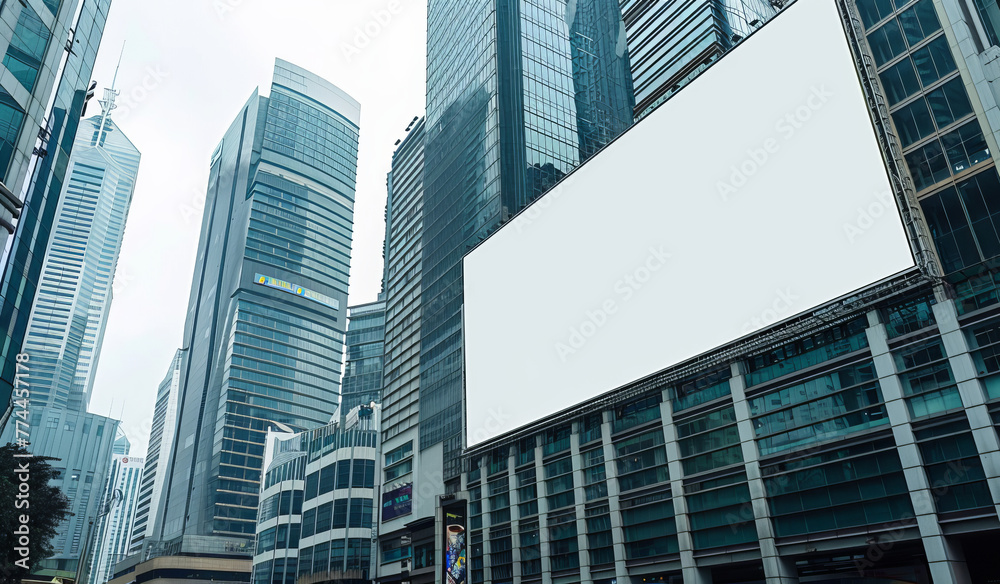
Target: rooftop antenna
108,103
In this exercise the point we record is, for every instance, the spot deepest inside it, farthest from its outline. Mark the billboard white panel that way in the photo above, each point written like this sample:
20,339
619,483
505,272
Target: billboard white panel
756,193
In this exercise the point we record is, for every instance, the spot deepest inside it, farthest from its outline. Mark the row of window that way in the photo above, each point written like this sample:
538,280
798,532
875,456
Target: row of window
344,474
339,514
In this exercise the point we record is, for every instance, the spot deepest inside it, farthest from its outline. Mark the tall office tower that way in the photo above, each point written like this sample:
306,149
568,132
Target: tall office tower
33,55
671,43
362,383
161,439
68,319
518,94
401,460
114,530
404,226
266,319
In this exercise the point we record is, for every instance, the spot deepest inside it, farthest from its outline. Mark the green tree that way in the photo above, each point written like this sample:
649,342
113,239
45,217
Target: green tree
41,505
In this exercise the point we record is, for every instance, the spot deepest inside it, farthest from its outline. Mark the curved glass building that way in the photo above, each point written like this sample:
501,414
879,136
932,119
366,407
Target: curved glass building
318,503
267,313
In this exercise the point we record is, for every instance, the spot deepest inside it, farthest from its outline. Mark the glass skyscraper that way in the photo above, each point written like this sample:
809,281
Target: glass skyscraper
161,440
670,43
114,530
35,53
518,94
403,227
66,327
267,312
362,383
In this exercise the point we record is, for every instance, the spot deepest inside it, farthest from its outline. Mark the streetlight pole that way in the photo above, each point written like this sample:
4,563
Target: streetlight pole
116,498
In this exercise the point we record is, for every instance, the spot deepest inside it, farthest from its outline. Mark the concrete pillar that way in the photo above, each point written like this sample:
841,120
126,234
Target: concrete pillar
617,532
515,515
580,496
777,570
973,395
485,503
685,541
946,562
543,514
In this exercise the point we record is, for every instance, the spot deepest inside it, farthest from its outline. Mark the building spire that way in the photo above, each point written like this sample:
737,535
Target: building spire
108,103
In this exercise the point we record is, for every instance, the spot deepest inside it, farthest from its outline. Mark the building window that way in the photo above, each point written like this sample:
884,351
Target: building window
327,478
27,47
557,440
340,513
899,81
11,119
531,554
649,528
989,14
559,483
840,488
527,493
951,459
636,413
824,408
960,241
499,501
564,547
701,390
641,461
985,338
875,11
526,451
927,379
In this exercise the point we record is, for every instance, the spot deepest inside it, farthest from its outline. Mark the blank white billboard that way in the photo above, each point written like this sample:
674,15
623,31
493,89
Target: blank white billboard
755,193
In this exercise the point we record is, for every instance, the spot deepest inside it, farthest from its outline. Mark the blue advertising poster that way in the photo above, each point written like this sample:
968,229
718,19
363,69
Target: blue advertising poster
397,502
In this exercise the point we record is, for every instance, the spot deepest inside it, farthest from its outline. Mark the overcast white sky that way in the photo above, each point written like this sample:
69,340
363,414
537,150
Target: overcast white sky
189,66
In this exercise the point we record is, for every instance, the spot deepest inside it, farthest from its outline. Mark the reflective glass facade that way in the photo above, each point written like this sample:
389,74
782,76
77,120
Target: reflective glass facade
362,383
113,531
519,92
947,138
38,180
161,440
318,504
672,42
404,226
267,314
68,318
